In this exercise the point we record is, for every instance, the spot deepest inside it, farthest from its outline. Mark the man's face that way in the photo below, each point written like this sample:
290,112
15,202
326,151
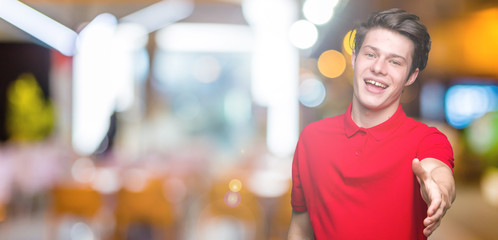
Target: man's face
381,69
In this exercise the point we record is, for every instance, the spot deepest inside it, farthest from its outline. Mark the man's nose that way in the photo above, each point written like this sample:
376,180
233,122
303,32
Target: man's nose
378,66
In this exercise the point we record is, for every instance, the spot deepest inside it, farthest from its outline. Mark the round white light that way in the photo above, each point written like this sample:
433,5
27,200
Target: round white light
303,34
319,11
311,93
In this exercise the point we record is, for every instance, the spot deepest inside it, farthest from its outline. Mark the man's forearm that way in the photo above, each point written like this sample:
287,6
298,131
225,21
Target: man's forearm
441,174
300,227
437,187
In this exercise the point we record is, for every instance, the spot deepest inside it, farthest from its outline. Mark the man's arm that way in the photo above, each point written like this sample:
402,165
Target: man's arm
437,187
300,226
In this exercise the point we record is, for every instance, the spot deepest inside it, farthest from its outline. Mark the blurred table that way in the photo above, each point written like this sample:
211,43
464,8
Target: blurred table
470,217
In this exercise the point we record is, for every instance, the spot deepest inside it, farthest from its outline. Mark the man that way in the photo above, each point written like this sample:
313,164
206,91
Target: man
373,172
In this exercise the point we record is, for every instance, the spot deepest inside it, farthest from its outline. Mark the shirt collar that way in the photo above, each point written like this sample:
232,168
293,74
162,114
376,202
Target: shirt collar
380,131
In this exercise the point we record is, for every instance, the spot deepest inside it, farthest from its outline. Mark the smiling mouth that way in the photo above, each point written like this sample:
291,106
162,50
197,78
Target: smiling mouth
377,84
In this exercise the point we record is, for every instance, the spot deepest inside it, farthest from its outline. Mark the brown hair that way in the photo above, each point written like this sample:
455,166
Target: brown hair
401,22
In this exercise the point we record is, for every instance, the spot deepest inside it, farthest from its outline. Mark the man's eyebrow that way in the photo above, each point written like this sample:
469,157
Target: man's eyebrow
392,55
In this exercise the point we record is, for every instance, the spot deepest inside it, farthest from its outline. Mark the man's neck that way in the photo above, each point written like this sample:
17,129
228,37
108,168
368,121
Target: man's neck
367,118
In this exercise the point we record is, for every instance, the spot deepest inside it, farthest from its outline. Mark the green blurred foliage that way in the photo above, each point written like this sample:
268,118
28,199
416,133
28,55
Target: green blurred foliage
29,116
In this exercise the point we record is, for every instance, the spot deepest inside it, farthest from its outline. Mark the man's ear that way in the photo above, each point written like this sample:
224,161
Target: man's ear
411,79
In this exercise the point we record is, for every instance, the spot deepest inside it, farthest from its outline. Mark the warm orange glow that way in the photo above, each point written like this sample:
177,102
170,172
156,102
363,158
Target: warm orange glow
480,41
2,213
347,50
467,46
235,185
331,63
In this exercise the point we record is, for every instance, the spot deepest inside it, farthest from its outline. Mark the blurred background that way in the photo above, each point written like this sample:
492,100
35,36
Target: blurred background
177,119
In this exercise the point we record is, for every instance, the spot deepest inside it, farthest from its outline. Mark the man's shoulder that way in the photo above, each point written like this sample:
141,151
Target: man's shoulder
420,127
432,142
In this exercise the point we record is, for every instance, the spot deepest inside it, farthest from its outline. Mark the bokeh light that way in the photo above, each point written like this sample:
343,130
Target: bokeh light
205,38
264,13
311,92
482,135
319,11
81,231
206,69
489,186
95,92
232,199
476,45
235,185
106,181
348,42
331,63
134,179
38,25
303,34
83,170
272,181
128,54
465,103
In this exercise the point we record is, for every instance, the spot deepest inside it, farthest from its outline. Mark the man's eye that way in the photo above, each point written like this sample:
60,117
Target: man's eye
370,55
396,62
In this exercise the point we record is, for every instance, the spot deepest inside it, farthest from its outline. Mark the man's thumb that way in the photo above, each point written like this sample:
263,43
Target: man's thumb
417,168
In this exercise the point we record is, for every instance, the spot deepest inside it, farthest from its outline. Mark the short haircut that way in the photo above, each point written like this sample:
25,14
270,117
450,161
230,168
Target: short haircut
402,22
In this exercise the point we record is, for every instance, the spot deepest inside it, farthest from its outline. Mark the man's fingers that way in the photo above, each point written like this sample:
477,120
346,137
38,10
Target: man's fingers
430,229
434,194
435,205
433,222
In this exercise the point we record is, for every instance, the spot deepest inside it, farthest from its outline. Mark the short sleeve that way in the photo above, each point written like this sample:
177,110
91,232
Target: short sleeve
298,201
436,145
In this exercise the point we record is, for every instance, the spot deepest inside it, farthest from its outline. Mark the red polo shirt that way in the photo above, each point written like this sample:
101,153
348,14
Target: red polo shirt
358,183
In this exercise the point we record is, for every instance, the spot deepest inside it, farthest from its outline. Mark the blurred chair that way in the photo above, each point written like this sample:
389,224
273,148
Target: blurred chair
74,201
230,214
3,212
144,214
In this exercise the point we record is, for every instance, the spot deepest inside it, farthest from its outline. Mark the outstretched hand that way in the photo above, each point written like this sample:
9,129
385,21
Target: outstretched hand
437,188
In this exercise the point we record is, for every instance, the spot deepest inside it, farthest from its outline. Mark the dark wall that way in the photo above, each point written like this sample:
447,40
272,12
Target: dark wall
16,59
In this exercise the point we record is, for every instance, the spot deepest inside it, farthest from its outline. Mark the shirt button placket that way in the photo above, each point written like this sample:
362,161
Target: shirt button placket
362,137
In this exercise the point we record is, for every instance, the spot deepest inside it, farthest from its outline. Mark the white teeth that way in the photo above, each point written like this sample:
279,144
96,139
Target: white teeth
378,84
